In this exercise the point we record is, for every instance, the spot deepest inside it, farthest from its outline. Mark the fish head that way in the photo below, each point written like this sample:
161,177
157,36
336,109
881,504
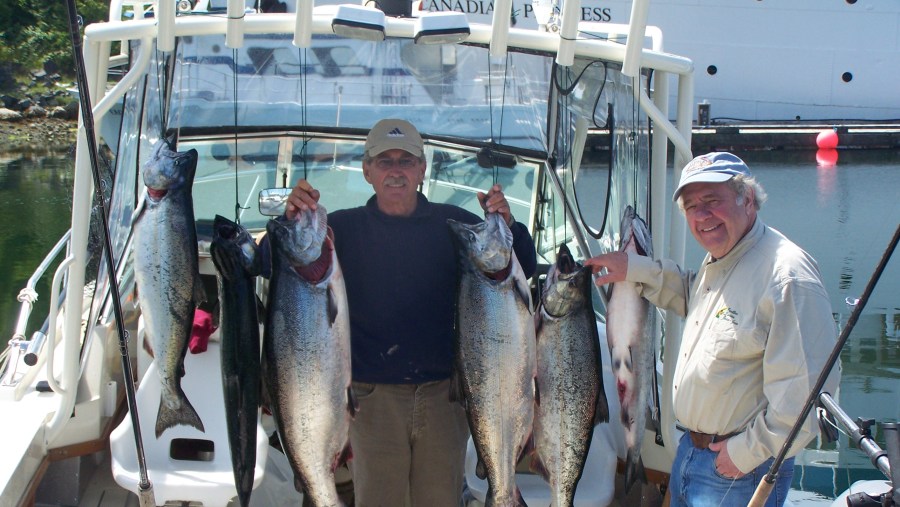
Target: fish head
300,239
167,169
567,286
487,245
635,234
233,249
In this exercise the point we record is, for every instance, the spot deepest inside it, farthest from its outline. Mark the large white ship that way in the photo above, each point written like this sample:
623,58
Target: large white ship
758,60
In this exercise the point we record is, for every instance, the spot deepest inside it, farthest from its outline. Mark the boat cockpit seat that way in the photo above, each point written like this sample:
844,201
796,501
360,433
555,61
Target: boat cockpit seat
184,464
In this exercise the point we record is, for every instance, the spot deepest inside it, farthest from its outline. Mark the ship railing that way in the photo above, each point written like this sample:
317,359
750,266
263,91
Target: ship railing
19,346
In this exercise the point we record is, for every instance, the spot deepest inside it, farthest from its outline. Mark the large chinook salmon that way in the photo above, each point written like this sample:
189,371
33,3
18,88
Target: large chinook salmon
234,253
307,352
167,275
495,352
631,348
570,399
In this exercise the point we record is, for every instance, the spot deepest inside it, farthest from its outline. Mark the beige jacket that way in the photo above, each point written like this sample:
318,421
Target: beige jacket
758,331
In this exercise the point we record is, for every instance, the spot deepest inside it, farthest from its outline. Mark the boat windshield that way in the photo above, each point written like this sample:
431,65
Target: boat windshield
447,91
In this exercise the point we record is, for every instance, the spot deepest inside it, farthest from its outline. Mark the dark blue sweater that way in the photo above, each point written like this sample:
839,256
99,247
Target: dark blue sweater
401,276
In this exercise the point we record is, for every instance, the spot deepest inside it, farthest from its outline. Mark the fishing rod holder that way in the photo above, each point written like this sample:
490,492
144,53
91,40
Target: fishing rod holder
887,461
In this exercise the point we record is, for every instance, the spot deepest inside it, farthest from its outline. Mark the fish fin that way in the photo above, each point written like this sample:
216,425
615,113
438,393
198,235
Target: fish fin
169,417
332,307
522,291
520,501
352,402
147,346
601,410
342,457
199,291
480,470
457,393
537,466
528,452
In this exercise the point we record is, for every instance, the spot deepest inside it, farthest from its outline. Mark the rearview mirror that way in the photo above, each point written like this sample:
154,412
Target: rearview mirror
272,201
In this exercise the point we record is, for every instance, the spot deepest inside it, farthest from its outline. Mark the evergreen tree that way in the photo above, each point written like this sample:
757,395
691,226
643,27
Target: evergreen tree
35,32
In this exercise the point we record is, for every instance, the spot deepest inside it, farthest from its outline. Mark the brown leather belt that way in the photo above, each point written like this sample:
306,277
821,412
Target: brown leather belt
702,440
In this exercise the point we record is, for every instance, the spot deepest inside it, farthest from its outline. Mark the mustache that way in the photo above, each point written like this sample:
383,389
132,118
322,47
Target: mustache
396,180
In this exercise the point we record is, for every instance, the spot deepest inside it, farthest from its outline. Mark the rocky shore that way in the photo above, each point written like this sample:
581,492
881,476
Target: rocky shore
51,134
38,115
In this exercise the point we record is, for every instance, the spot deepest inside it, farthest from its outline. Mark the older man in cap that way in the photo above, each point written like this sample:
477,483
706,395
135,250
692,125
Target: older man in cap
400,269
758,330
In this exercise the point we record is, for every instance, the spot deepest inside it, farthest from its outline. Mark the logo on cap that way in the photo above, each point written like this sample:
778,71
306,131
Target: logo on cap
697,165
396,132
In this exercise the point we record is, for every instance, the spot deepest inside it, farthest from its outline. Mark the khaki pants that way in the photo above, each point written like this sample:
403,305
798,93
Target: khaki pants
408,441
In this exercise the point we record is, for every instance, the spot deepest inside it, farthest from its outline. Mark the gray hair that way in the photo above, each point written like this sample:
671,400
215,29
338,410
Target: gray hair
741,184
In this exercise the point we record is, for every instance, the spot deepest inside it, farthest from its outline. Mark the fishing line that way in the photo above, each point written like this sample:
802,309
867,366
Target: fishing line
567,141
303,58
234,102
160,93
633,139
495,171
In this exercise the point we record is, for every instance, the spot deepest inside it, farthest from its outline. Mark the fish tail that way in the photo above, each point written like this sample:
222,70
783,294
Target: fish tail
244,498
634,470
183,413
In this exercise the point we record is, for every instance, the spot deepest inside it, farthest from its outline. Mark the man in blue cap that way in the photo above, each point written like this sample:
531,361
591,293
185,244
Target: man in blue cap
758,330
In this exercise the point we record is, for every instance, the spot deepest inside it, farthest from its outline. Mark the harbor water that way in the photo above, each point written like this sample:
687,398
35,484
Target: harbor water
843,215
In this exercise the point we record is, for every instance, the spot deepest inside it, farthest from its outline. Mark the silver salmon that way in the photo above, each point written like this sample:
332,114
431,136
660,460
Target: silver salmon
495,352
234,254
307,352
570,399
631,348
167,275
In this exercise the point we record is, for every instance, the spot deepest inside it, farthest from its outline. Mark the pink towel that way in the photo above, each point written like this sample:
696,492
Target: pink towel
203,327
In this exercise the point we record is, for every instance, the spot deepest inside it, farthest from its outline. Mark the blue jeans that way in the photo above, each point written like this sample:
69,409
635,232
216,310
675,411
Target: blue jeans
696,483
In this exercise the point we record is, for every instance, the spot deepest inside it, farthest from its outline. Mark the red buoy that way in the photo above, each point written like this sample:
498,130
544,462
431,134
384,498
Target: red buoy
826,157
827,139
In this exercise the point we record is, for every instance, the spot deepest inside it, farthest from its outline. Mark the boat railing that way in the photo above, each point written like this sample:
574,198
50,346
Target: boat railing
18,344
860,435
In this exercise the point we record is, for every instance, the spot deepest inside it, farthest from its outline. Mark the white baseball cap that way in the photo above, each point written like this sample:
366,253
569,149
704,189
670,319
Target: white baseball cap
715,167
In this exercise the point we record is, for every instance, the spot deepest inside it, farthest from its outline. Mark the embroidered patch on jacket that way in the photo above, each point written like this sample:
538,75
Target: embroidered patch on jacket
728,314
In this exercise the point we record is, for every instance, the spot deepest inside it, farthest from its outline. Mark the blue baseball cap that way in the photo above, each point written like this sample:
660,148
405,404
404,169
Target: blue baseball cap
716,167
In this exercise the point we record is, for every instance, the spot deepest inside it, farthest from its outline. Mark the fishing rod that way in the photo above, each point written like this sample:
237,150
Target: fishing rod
768,481
144,486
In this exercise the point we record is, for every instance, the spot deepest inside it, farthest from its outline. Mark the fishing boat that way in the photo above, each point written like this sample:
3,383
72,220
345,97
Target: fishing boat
270,93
